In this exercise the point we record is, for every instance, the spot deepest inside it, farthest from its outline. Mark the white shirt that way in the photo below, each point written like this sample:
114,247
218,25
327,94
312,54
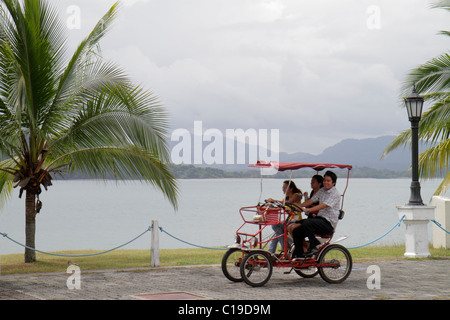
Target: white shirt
332,198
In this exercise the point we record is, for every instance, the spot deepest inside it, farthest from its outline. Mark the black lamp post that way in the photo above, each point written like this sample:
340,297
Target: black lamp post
414,104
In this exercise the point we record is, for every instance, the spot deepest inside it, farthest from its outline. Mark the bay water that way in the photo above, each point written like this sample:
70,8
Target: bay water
93,214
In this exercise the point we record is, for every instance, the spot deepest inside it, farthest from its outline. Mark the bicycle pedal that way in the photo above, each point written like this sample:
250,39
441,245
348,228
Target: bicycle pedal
288,272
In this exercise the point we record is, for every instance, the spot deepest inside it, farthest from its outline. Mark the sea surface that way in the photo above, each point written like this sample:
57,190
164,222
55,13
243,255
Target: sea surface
91,214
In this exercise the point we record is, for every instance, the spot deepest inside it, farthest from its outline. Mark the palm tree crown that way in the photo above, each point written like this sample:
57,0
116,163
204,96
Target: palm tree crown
432,81
82,113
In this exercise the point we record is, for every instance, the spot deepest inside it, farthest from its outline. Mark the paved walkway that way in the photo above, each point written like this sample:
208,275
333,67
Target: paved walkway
400,280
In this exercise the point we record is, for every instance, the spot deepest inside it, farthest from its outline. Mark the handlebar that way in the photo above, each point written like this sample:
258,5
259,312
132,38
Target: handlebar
274,204
288,204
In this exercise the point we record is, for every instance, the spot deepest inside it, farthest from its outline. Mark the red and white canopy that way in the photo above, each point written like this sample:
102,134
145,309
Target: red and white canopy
283,166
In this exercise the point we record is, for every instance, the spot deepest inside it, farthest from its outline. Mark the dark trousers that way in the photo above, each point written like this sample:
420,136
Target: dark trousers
309,228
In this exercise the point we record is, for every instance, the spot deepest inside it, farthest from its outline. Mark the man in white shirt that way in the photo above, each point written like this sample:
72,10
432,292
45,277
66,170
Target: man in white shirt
324,222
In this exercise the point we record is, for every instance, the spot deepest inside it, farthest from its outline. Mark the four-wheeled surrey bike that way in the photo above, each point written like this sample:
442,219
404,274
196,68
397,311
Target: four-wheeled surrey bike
248,261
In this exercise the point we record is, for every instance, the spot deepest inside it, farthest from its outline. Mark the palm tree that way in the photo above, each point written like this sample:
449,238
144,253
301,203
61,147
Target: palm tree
432,81
69,114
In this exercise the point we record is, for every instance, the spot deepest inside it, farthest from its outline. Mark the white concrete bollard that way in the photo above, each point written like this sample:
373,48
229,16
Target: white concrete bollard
416,234
441,239
154,251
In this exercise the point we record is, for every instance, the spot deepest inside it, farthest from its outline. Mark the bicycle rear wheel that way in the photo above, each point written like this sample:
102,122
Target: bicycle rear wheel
310,272
335,263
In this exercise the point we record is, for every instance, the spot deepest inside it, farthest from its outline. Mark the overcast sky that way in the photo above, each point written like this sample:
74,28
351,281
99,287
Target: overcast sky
319,71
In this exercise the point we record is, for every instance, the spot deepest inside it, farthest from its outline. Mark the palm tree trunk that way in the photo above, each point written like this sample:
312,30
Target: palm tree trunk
30,226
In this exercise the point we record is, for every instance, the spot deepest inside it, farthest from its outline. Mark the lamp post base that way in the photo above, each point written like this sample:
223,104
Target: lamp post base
416,233
415,198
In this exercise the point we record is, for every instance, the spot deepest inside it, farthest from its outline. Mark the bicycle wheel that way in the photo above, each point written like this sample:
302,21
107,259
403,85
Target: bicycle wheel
335,263
256,269
231,263
310,272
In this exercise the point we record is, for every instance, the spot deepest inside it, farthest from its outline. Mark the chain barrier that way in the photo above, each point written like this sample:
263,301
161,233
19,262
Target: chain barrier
191,244
396,225
439,225
76,255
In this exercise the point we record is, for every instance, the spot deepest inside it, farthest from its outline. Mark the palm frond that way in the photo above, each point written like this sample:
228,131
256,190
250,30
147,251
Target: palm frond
5,187
435,123
430,78
31,61
125,162
443,186
441,4
116,115
37,44
401,140
82,71
434,159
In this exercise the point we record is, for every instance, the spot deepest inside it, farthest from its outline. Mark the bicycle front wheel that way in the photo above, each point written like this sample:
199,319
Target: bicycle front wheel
231,264
256,269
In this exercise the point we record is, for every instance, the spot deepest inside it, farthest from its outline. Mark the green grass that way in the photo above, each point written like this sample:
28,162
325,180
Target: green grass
396,251
122,259
119,259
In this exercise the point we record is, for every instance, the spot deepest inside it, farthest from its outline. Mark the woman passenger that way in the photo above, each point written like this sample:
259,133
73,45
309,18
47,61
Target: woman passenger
293,195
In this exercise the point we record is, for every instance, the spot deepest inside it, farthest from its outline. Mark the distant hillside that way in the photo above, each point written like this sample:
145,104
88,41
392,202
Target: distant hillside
359,153
195,172
364,155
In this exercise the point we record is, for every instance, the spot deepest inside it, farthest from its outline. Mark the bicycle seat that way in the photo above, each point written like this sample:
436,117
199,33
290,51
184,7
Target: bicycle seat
324,236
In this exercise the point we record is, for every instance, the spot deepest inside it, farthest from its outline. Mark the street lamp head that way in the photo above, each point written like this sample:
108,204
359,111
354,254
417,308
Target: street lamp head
414,104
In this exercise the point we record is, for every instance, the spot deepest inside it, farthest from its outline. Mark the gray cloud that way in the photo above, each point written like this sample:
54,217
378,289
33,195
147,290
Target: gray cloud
313,69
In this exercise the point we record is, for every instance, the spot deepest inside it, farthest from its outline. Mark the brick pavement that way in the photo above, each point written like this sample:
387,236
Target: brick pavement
401,279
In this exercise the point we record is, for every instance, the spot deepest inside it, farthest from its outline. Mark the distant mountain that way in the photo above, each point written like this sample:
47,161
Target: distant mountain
363,154
359,153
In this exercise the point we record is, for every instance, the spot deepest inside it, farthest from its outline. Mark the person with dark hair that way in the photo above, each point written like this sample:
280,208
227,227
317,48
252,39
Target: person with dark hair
292,195
324,222
316,185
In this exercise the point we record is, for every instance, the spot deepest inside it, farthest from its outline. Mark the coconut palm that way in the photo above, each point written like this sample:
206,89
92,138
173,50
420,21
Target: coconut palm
73,113
432,81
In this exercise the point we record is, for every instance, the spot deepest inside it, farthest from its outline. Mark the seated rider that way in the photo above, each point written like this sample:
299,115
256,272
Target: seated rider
316,185
292,195
324,222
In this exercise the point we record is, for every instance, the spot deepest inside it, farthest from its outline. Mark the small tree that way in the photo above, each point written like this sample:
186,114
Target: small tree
79,114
